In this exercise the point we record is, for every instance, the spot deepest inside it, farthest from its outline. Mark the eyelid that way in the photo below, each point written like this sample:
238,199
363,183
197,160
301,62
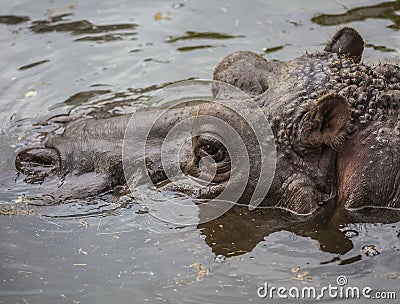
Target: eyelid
209,140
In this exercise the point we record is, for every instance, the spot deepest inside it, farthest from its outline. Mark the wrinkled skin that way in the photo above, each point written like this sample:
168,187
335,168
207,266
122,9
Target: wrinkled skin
369,167
361,124
335,122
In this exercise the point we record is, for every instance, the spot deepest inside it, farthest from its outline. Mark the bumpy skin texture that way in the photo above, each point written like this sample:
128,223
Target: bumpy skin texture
335,122
368,144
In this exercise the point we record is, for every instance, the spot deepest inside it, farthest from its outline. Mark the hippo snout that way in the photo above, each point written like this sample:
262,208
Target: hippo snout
37,162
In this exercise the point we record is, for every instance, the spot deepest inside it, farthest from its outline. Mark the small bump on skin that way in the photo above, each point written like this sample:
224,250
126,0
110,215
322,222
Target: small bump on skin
363,85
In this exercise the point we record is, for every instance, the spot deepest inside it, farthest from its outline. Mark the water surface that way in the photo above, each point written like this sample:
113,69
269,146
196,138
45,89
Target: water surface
102,59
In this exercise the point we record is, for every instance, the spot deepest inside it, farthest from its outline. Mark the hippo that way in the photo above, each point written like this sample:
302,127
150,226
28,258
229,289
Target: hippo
335,134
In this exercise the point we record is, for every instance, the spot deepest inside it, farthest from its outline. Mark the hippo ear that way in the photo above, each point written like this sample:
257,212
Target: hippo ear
326,122
347,41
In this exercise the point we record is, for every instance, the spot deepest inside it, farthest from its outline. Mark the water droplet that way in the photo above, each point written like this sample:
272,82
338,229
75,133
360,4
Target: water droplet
177,5
219,258
351,233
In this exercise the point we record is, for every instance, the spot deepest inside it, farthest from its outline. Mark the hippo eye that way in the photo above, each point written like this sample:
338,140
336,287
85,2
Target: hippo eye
209,149
209,146
215,151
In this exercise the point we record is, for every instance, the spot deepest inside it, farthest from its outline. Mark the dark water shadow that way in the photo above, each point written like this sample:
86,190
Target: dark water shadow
191,35
33,64
89,31
195,47
80,98
380,48
196,36
384,10
239,230
12,19
101,101
273,49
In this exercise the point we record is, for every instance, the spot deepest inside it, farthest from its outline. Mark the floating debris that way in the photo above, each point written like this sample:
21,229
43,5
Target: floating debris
161,16
301,276
84,224
13,210
201,272
19,206
370,250
21,199
81,251
30,93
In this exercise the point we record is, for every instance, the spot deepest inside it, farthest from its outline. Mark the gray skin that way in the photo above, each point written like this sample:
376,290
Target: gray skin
335,122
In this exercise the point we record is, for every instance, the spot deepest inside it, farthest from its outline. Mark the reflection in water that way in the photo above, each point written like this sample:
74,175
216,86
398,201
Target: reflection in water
104,205
81,98
103,103
31,65
107,37
273,49
83,27
195,47
239,230
385,10
11,19
190,35
381,48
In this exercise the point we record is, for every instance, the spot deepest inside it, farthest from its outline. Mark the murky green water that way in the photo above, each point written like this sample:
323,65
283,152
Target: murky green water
82,57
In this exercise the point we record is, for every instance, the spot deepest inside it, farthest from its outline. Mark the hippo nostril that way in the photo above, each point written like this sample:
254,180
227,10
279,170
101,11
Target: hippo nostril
36,159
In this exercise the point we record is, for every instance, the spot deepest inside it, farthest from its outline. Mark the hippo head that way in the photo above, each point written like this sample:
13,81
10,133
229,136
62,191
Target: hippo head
289,167
321,128
335,123
308,117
